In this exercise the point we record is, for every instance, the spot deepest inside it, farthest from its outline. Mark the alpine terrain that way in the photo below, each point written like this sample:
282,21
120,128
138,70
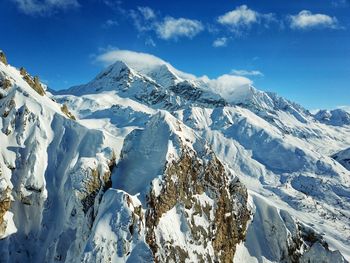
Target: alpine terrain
146,163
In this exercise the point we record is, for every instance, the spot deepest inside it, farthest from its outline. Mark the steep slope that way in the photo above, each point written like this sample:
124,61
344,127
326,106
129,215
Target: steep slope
181,204
52,172
159,166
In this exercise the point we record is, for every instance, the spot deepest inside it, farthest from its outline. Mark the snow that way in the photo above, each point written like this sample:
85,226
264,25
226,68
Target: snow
144,154
293,163
343,157
337,117
276,147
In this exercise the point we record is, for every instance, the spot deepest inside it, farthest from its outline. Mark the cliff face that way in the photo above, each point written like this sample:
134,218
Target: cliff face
189,207
210,205
194,212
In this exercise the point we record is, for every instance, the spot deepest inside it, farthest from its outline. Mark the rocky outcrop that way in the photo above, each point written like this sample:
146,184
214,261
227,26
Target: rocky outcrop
34,83
5,82
66,111
5,203
96,183
212,208
3,57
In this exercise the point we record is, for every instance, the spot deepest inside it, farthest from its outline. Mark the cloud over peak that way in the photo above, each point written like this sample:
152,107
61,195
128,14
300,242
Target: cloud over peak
307,20
228,86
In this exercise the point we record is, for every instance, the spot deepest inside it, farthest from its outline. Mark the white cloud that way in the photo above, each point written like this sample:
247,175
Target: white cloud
145,20
172,28
44,7
139,61
147,12
242,72
242,18
306,20
232,88
220,42
132,58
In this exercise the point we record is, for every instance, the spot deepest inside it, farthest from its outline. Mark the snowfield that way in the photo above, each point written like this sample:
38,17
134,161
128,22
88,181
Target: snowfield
146,163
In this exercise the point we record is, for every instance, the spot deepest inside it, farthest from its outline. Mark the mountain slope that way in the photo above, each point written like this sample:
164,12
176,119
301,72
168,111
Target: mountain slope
343,157
274,146
163,166
51,169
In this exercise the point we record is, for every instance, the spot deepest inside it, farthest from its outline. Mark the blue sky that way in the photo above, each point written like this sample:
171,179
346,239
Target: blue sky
299,48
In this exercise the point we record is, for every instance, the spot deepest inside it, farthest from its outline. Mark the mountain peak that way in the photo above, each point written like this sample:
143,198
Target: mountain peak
336,117
116,70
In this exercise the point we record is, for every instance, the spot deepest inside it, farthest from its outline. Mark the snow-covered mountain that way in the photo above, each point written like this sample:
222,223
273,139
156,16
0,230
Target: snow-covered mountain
337,117
146,163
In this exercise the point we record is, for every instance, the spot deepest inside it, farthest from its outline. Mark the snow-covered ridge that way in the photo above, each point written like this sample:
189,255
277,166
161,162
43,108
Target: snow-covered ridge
337,117
160,85
158,88
159,166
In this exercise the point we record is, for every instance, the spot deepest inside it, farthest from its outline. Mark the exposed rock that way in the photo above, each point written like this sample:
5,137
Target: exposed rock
34,83
184,181
5,83
66,111
5,204
8,114
95,185
3,57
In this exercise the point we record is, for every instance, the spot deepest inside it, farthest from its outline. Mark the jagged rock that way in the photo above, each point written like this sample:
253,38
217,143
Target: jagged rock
227,215
5,83
5,204
32,82
66,111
